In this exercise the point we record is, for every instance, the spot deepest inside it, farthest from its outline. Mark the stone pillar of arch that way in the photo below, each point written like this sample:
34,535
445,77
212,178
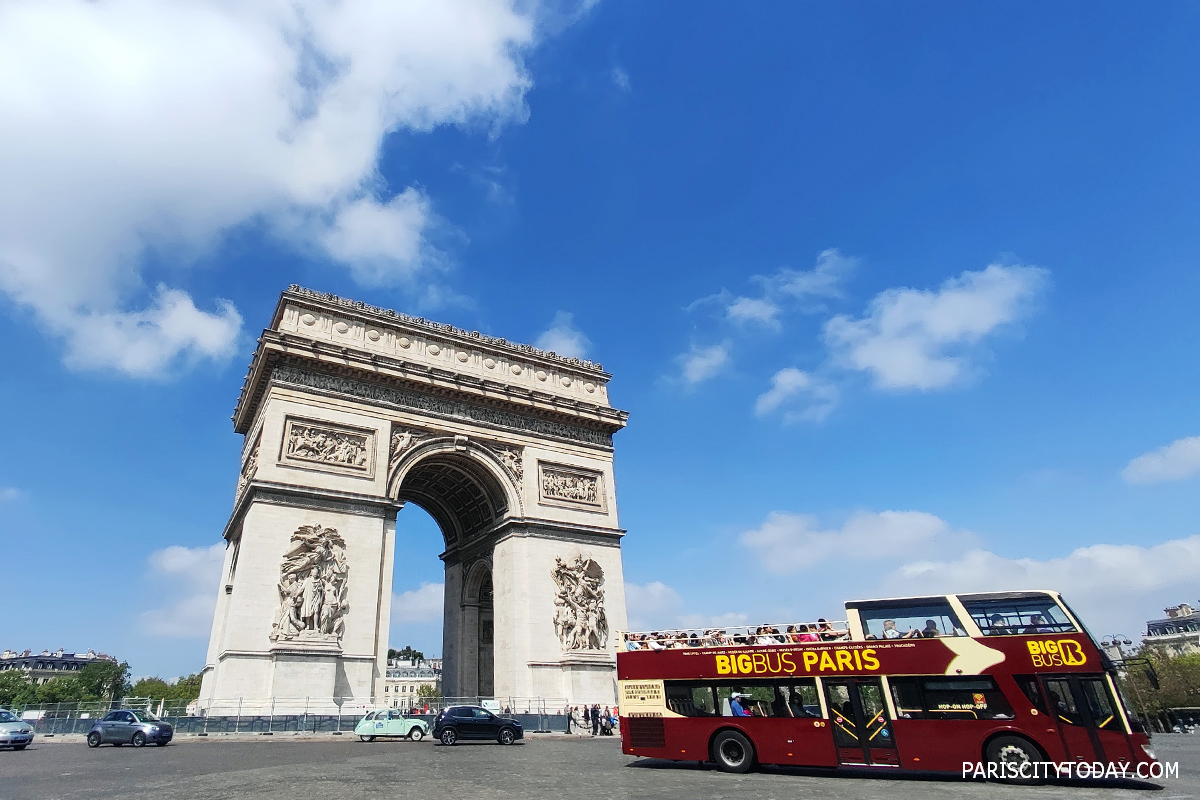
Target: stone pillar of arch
349,412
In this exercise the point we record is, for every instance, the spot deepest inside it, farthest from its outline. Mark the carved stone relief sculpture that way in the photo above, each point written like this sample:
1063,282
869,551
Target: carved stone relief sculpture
342,449
248,470
572,487
312,587
511,458
403,440
579,618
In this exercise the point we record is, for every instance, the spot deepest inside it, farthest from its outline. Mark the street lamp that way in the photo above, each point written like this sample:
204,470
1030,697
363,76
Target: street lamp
1116,641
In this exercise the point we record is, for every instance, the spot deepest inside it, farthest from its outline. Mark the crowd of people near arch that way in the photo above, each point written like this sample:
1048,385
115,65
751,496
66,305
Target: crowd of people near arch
761,636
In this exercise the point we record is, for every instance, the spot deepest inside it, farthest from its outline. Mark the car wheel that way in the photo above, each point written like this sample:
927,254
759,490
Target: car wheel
1009,753
367,738
416,734
507,736
733,752
449,737
138,740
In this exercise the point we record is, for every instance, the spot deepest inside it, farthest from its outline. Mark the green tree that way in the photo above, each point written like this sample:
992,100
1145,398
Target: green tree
154,687
427,691
186,688
63,689
407,654
16,688
150,687
105,680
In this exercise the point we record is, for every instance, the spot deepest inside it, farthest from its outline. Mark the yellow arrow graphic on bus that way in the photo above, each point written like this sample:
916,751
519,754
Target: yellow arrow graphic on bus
970,656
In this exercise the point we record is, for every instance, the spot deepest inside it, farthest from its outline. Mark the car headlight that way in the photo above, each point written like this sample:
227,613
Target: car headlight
154,729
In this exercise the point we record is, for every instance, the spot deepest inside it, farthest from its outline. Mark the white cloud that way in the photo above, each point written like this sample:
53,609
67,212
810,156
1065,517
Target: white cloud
789,384
752,309
653,605
1178,460
701,363
1114,587
136,129
10,493
563,337
147,342
620,78
787,543
425,604
188,577
915,339
785,288
823,281
383,243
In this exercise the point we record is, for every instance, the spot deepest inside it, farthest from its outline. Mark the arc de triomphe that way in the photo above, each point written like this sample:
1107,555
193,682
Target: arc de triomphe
351,411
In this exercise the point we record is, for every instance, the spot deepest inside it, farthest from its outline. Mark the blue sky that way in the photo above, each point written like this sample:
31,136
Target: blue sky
899,299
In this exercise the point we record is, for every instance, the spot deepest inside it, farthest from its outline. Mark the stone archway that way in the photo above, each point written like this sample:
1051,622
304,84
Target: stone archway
351,411
469,491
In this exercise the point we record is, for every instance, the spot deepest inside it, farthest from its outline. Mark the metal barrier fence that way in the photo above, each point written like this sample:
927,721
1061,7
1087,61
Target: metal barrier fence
279,716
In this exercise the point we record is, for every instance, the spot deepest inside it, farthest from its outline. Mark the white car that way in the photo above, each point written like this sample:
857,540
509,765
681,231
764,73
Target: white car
14,731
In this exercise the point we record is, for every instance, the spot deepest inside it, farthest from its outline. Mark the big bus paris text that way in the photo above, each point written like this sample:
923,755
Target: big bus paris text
918,683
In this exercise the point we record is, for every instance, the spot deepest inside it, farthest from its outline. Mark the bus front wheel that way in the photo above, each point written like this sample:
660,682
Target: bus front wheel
732,752
1015,757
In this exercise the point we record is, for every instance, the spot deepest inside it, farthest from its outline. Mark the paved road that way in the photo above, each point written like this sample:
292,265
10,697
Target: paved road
549,769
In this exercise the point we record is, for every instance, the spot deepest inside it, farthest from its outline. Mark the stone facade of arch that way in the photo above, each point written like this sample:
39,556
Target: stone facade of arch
348,413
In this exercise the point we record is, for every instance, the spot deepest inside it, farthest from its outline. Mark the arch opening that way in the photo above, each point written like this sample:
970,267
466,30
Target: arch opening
466,500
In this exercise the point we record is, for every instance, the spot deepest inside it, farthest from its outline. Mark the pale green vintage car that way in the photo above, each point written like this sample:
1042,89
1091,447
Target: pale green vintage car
390,722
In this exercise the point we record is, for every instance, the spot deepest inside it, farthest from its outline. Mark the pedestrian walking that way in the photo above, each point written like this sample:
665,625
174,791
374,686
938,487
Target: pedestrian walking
596,719
587,718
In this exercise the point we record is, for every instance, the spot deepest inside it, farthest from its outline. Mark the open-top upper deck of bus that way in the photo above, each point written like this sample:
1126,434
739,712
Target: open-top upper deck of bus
977,615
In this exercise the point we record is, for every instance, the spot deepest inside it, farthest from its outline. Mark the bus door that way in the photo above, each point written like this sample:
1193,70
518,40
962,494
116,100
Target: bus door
1088,719
862,731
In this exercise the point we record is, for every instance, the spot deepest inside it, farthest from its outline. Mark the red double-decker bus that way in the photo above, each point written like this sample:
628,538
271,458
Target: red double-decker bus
916,683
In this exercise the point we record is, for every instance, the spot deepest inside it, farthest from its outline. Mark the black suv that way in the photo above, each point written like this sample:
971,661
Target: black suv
473,722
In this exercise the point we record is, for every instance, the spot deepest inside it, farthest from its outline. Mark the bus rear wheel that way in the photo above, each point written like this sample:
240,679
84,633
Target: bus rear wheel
732,752
1010,754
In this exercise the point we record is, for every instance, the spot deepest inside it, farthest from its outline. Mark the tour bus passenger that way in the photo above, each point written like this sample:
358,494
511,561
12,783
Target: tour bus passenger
997,626
736,708
792,636
1037,624
931,630
805,634
653,643
694,640
763,636
826,631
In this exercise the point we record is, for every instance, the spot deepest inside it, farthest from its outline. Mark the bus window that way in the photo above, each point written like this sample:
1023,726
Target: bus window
799,698
925,619
690,699
1100,704
907,697
1033,691
1063,701
1020,616
754,699
964,698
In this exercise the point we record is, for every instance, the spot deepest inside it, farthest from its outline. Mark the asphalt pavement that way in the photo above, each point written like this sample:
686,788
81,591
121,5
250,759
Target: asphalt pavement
550,768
